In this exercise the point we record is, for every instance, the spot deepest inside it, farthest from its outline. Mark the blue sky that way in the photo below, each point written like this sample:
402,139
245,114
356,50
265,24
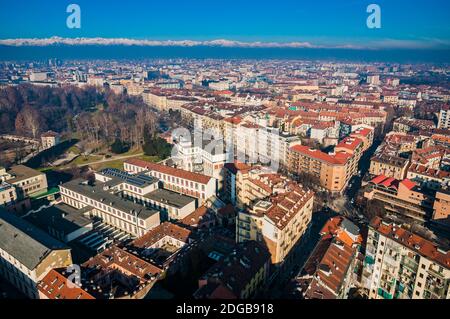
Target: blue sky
322,21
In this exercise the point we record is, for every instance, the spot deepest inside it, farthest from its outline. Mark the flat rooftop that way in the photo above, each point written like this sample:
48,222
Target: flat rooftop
98,193
62,217
138,180
170,198
21,172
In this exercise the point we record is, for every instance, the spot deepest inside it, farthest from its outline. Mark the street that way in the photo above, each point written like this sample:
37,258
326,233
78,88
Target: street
300,254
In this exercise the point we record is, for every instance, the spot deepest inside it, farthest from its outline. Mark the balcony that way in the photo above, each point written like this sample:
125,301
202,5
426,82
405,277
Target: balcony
384,294
244,235
390,260
436,274
369,260
244,226
410,264
436,292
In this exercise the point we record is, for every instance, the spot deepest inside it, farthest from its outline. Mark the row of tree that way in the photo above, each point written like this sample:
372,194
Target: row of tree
97,116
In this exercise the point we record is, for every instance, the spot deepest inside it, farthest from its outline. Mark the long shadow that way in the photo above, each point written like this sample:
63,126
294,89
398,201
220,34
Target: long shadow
53,152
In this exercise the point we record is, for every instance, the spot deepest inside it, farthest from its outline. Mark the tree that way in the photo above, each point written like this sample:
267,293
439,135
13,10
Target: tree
156,146
118,147
374,208
29,121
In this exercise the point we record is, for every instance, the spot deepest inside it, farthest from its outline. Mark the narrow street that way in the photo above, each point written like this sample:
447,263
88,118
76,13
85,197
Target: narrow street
301,254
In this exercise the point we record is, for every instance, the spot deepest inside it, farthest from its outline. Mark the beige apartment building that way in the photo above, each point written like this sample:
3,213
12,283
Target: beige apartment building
366,134
279,218
28,182
441,208
400,264
333,170
184,182
8,194
99,201
391,166
403,198
27,254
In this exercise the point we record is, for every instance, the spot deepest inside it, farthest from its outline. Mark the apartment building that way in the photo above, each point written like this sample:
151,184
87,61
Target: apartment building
207,158
403,198
116,273
27,254
441,208
373,79
366,134
240,275
278,214
8,194
166,99
163,244
390,166
355,147
324,129
430,156
400,264
429,178
333,170
107,204
155,98
192,184
144,189
390,97
254,143
28,182
444,117
274,145
234,173
407,125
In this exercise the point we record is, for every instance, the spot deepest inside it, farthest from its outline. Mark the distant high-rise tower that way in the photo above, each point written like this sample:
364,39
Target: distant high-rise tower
373,79
444,118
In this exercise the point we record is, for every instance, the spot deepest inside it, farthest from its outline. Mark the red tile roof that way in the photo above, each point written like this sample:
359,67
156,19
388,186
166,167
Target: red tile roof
198,217
413,241
409,184
319,155
55,286
377,180
350,143
117,258
161,231
50,134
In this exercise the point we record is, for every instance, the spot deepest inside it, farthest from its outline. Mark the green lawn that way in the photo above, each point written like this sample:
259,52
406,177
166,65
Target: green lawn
86,159
74,150
119,163
153,159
